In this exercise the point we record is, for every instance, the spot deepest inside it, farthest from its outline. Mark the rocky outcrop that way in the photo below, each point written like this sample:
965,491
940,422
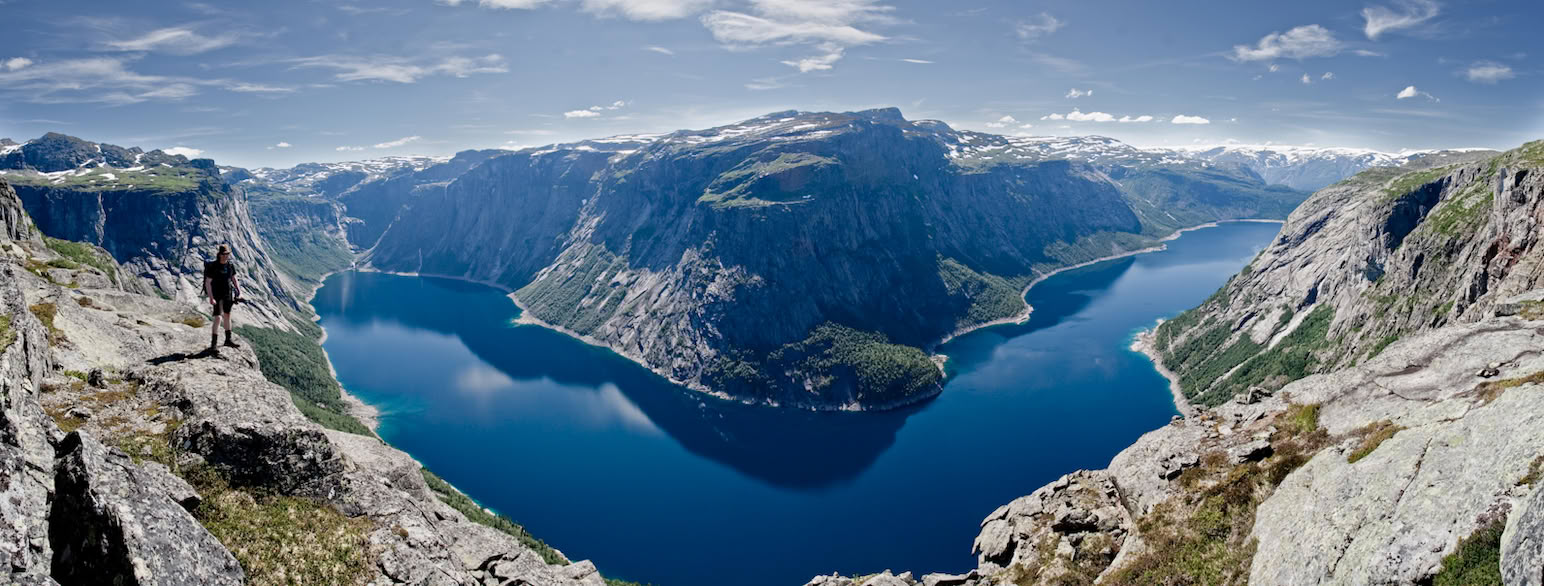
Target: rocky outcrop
14,222
1522,553
26,450
1364,263
867,236
159,228
111,501
113,518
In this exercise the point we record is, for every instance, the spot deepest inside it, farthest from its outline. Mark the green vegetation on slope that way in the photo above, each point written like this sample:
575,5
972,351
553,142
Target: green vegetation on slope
301,250
153,179
885,372
991,297
477,514
6,335
1477,562
86,254
297,363
1201,360
283,540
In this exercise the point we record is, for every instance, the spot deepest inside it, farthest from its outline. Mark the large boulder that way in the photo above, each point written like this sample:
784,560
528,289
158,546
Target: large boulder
1522,545
113,522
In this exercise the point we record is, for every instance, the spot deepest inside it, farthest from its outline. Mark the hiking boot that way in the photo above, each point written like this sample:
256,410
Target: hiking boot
231,343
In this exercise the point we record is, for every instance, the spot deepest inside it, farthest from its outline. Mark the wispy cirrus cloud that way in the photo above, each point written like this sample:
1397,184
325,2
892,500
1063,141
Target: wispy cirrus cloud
1310,40
391,144
175,41
831,27
1413,92
1403,14
1037,27
400,69
15,63
1488,72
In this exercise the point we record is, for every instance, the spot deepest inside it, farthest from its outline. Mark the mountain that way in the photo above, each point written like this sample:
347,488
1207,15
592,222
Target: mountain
1305,168
159,216
800,259
1372,386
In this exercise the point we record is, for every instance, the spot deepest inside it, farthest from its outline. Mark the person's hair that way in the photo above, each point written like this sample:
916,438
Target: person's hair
222,250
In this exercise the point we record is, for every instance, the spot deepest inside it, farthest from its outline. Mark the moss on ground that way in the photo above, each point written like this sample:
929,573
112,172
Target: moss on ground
6,335
283,540
1372,435
46,312
80,253
1477,561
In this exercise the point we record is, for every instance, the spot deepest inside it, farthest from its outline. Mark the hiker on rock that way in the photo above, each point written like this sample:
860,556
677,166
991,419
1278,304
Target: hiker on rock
223,291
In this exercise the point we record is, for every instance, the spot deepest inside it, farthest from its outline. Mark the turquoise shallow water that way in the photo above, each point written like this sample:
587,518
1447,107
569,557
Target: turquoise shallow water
606,461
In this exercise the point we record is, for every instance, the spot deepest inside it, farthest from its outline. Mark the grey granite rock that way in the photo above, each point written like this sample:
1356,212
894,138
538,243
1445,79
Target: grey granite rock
1522,544
113,523
26,451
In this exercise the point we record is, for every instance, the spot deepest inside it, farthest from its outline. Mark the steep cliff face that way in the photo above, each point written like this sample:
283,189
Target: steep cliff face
797,259
1364,263
15,224
373,205
160,222
1416,460
304,235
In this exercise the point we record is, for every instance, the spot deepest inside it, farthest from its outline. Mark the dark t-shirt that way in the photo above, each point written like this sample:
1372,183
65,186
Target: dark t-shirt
220,276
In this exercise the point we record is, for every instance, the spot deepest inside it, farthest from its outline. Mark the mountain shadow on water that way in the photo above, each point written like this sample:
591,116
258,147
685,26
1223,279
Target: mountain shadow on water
789,448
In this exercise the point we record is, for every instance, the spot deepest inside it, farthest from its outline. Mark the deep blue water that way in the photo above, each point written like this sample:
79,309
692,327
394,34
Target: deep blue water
608,462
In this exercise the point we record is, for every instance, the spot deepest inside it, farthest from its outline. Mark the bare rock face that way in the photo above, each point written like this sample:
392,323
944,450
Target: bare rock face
1078,523
113,522
1522,545
14,223
26,452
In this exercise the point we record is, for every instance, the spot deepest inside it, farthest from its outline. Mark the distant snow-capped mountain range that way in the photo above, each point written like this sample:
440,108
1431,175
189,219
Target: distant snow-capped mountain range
1299,167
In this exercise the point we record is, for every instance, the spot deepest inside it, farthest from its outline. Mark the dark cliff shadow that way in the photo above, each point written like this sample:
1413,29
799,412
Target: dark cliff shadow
181,356
783,447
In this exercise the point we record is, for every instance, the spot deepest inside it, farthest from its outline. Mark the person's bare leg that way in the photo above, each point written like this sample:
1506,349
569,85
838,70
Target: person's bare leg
214,331
228,341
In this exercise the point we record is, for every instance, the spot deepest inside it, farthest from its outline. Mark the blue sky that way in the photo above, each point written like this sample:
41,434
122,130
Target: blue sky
282,82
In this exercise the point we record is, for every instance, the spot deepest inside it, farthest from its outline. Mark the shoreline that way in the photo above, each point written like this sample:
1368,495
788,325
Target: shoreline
1028,310
372,413
368,414
1144,344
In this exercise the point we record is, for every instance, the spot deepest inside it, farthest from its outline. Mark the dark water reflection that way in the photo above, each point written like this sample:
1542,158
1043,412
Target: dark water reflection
609,462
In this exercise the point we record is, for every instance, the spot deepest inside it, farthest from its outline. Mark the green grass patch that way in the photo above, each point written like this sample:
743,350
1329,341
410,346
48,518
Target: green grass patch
477,514
154,179
1373,435
1477,562
1382,344
1294,357
1532,310
81,253
46,312
6,335
297,363
76,374
1412,181
283,540
194,321
1535,472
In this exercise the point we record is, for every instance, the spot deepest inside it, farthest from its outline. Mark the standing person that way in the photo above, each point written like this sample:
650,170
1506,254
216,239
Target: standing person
223,290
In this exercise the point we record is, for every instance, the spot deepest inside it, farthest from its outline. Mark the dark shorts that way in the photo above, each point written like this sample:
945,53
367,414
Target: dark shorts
223,306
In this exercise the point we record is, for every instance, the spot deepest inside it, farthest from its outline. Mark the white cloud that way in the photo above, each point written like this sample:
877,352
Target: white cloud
830,25
176,41
506,4
400,70
581,114
1053,117
1142,118
1307,80
190,153
94,80
765,83
391,144
660,50
1412,92
737,29
1183,119
1309,40
1037,27
1488,72
1077,116
1002,122
816,63
349,148
617,105
1328,75
1026,126
257,88
1273,68
1367,53
918,61
1405,14
15,63
1076,93
282,145
645,9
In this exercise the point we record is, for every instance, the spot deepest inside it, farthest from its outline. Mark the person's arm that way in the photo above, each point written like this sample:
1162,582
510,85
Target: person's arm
209,288
235,284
